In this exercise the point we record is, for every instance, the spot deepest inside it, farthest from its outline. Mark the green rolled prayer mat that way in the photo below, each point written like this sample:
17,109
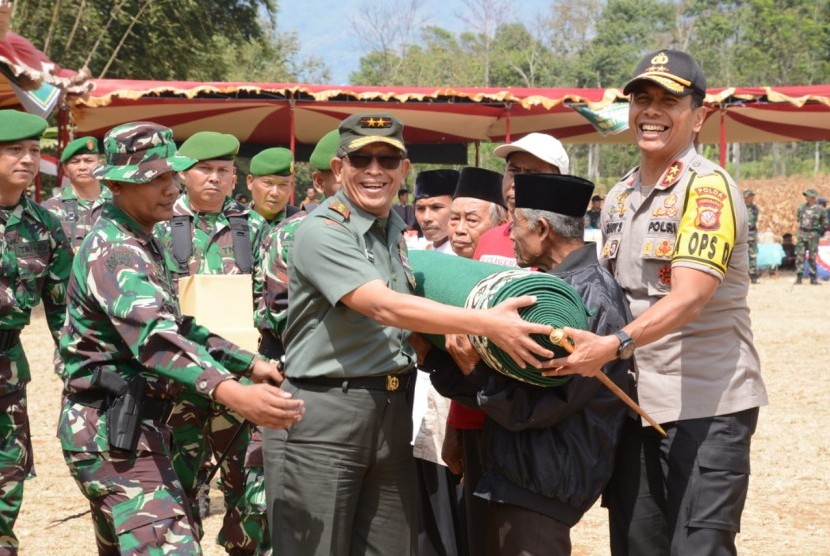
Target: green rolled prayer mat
467,283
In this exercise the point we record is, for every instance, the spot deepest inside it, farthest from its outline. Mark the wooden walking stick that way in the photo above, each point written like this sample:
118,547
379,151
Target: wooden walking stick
558,337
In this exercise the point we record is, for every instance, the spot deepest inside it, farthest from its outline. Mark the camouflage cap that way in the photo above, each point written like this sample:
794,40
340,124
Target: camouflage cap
359,130
811,193
210,145
749,193
138,152
324,151
18,126
277,161
81,145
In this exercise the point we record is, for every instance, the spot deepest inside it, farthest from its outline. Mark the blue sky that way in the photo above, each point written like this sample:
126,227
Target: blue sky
325,28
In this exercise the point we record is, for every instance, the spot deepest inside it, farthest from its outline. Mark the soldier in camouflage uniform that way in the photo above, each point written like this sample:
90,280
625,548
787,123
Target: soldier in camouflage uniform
752,238
201,239
124,330
270,181
79,204
812,221
270,316
34,266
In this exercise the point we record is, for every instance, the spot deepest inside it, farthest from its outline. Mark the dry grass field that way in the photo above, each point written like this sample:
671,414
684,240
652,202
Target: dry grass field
789,498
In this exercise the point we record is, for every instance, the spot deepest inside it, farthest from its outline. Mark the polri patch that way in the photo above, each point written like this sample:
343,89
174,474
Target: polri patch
707,231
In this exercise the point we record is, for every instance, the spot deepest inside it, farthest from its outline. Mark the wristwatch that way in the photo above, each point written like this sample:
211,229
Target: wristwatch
626,349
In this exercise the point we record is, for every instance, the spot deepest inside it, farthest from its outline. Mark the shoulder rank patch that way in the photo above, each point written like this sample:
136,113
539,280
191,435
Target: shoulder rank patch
672,173
340,208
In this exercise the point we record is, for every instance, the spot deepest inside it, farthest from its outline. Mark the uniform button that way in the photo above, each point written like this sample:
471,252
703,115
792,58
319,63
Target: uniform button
203,385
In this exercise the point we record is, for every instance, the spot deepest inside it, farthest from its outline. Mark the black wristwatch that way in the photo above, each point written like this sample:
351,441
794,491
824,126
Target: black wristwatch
626,349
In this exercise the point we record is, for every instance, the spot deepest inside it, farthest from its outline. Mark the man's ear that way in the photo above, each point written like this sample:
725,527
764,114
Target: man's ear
249,181
317,182
700,118
336,165
542,227
114,187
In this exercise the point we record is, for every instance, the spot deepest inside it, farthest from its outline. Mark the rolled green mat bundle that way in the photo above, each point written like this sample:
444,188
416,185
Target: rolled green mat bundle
467,283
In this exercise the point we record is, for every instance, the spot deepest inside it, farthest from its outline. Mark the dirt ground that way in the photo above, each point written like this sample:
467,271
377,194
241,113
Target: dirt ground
789,495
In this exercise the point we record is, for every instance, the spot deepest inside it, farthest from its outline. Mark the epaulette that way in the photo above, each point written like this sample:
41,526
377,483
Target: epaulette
340,208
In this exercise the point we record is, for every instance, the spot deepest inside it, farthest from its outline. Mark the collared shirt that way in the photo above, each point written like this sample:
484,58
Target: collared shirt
693,217
35,260
76,227
337,249
123,317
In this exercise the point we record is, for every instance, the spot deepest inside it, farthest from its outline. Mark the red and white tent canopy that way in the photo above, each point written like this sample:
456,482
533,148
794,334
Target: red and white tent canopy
282,114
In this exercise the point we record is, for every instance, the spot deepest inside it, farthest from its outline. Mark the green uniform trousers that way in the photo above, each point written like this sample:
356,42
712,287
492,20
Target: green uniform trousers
201,428
342,481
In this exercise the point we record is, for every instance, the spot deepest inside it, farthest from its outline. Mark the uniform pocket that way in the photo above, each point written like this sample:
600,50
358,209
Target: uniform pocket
719,486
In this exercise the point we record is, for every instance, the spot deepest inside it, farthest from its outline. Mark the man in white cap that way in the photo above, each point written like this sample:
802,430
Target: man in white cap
535,153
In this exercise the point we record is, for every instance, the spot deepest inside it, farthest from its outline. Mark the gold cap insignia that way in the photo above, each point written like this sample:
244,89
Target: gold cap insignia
375,122
660,60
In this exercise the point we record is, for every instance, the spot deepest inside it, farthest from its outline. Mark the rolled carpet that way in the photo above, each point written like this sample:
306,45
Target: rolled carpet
467,283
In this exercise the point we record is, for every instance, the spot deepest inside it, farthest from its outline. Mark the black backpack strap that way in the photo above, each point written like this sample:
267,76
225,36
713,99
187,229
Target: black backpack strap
242,248
71,208
182,233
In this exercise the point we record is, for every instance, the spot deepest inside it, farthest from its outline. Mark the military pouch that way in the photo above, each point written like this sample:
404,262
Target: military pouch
8,339
124,416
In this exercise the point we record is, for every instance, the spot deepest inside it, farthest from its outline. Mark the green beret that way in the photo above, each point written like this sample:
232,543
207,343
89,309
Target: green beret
17,126
273,162
325,150
210,145
81,145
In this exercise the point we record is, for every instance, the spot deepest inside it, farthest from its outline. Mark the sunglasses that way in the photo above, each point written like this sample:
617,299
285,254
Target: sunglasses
386,161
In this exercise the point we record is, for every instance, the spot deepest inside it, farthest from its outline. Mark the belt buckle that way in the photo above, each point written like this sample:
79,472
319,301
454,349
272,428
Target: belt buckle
393,383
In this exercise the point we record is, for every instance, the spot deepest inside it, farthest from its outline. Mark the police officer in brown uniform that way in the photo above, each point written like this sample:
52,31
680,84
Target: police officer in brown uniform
675,237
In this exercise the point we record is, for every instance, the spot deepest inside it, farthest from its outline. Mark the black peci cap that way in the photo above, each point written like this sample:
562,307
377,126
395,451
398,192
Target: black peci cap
479,183
434,183
557,193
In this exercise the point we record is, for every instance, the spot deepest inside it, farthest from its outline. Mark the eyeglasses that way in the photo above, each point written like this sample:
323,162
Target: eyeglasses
386,161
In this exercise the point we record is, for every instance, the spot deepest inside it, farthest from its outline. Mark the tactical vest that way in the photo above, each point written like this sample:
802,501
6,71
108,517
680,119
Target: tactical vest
181,227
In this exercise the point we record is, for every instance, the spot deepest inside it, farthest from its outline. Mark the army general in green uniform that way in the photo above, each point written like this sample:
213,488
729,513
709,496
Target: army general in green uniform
129,353
343,480
34,265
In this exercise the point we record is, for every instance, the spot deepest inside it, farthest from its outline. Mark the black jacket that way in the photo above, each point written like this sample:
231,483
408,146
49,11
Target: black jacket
551,450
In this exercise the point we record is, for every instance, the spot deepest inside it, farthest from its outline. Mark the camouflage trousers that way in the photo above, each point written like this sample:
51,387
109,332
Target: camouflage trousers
255,506
807,243
752,243
137,502
202,428
15,464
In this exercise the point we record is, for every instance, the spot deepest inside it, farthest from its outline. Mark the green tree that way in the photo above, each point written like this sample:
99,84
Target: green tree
159,39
